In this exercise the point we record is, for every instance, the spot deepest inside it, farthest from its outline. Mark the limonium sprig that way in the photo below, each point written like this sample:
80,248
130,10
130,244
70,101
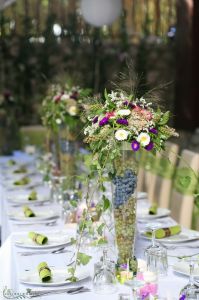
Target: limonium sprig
124,118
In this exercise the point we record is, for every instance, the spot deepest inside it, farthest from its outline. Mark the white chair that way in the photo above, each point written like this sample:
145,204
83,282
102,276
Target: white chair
185,183
165,168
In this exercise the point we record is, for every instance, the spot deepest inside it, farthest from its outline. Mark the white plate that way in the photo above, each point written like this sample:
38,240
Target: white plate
58,277
143,213
186,235
40,216
182,267
55,240
22,198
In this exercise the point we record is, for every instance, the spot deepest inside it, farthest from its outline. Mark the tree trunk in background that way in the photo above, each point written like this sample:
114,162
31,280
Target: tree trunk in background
195,82
184,106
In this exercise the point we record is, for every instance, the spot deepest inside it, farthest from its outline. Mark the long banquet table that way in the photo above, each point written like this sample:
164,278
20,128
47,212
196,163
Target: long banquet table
13,264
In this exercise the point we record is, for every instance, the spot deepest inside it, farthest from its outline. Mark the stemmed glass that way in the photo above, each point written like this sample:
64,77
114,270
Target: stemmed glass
191,290
104,281
156,255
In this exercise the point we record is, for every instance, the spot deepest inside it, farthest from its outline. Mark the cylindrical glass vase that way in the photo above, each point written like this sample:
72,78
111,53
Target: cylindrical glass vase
124,205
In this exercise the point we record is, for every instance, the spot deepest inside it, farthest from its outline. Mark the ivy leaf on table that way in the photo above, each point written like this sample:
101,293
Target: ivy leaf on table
83,259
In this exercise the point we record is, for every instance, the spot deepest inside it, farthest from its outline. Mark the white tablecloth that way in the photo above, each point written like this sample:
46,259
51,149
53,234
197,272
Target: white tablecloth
13,265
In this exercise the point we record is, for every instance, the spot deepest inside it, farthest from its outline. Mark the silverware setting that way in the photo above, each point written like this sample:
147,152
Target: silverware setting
173,247
71,291
51,223
57,251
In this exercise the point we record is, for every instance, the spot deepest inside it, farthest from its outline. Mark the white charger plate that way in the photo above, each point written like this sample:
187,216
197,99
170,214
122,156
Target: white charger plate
186,235
39,216
55,240
59,277
182,268
143,213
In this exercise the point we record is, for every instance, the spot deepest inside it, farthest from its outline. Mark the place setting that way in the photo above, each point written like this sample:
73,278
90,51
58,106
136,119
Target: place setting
26,215
33,197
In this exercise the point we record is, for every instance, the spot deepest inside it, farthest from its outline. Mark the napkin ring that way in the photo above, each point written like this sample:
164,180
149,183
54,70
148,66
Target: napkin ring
44,268
167,232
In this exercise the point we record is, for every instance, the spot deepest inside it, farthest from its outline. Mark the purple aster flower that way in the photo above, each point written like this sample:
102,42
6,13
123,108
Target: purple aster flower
153,130
135,145
150,146
95,120
122,121
182,297
103,121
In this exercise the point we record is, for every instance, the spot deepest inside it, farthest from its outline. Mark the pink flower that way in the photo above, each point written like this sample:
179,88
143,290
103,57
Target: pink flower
110,114
147,114
57,98
148,289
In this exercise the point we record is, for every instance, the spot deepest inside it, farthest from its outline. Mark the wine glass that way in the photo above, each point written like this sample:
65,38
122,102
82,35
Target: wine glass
156,255
104,281
191,290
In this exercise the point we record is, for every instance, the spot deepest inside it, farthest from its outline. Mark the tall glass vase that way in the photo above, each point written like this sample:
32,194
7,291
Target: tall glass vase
68,150
124,205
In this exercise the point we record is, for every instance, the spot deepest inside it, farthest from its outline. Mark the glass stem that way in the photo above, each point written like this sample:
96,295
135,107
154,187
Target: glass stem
153,237
191,278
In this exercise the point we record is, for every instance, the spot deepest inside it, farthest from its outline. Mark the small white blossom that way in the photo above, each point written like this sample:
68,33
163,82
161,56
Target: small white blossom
58,121
143,138
121,134
124,112
72,110
65,97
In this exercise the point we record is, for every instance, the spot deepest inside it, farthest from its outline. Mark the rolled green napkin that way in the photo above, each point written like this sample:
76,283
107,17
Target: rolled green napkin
22,181
165,232
38,238
28,212
44,272
153,209
11,162
20,170
32,196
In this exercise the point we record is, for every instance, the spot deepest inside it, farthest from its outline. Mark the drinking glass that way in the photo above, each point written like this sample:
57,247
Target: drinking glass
191,290
156,255
104,281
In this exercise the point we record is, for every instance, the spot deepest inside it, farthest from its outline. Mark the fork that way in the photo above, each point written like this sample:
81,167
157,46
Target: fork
70,291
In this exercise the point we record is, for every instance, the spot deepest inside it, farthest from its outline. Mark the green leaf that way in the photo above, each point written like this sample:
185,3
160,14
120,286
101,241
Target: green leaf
165,118
100,229
106,203
73,241
83,259
106,94
73,203
71,270
102,241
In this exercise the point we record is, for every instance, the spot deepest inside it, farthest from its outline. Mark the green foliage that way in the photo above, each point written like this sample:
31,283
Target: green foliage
83,259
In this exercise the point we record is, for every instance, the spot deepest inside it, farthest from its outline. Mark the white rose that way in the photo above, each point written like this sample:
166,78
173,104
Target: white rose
58,121
121,134
72,110
124,112
143,138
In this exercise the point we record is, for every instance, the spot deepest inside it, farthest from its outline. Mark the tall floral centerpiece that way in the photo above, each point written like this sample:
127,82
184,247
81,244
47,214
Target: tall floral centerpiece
120,123
61,114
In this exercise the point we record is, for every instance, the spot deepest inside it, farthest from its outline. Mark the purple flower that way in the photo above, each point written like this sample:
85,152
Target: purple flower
122,122
135,145
150,146
153,130
103,121
182,297
95,120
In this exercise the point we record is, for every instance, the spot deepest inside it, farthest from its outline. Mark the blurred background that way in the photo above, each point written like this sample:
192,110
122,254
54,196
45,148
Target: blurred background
48,41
